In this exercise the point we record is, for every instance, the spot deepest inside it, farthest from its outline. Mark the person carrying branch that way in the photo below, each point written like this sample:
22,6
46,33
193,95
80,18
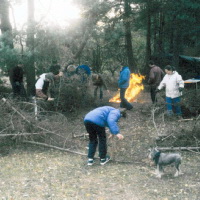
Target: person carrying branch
16,75
42,85
95,122
156,75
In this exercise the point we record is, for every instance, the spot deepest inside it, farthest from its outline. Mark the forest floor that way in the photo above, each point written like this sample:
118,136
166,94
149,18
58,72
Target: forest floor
38,173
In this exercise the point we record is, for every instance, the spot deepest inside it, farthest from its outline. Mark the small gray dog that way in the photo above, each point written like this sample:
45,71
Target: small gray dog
163,159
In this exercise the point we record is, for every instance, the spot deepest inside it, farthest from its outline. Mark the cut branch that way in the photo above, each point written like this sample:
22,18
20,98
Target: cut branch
20,134
178,148
54,147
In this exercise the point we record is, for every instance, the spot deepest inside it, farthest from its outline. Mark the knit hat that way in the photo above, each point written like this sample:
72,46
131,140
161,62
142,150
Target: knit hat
49,76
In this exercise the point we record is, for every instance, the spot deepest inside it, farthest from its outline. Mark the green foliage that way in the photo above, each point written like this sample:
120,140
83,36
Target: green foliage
8,58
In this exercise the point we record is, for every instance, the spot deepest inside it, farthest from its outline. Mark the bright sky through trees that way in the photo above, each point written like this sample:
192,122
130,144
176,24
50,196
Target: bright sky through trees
61,12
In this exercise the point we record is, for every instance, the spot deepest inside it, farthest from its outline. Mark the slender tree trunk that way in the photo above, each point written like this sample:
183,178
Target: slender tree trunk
5,26
148,37
155,27
30,69
128,36
176,49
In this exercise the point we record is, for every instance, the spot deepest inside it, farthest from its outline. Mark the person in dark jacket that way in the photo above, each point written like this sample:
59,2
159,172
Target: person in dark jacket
123,84
155,77
95,122
16,75
99,83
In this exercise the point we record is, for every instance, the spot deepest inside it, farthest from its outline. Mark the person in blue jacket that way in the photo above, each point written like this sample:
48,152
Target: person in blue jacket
95,122
123,84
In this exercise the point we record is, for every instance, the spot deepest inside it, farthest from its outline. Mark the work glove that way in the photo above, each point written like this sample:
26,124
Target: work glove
181,89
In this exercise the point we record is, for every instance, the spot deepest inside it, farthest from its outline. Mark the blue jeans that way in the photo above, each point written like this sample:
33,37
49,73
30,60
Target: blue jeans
173,102
97,134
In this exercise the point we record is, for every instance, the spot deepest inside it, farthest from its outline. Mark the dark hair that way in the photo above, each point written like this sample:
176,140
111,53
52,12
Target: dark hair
151,62
170,68
123,112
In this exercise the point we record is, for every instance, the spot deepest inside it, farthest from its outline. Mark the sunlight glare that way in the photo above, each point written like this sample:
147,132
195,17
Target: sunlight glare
59,12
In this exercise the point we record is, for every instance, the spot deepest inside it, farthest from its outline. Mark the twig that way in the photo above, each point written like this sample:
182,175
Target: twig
24,118
193,151
153,118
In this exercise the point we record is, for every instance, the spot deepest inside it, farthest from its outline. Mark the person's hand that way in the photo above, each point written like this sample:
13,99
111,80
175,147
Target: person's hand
50,99
60,74
181,89
120,136
110,136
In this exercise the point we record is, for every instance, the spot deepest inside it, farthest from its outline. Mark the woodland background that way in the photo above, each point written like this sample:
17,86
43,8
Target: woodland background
109,34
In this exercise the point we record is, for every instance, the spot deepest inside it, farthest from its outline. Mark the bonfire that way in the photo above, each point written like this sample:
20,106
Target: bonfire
135,87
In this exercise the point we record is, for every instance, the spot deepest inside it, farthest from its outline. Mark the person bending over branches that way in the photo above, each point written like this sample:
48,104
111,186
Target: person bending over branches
95,122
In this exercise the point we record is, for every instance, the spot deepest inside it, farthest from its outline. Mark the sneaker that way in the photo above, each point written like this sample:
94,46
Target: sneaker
104,160
90,161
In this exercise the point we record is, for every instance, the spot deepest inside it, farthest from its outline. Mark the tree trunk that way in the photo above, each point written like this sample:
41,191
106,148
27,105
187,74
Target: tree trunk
5,26
148,37
128,36
30,69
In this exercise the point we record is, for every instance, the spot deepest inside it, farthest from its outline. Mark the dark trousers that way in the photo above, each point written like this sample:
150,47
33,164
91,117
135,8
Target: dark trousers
97,135
153,94
100,92
124,103
18,89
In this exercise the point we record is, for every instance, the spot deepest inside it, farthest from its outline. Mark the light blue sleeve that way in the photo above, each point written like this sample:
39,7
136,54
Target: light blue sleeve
112,120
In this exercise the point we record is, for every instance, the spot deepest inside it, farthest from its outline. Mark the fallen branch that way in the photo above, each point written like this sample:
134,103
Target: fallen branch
24,118
54,147
68,150
178,148
20,134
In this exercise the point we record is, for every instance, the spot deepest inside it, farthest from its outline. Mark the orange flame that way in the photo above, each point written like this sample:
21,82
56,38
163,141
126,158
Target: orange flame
135,87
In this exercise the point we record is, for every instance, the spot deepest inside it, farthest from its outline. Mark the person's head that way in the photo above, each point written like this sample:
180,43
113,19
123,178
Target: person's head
123,112
71,68
49,77
151,63
94,76
20,64
169,69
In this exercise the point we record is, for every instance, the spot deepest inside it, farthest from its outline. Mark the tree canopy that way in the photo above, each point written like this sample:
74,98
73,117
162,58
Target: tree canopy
110,33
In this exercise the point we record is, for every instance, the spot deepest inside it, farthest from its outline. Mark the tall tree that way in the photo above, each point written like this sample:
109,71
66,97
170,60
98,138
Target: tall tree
128,35
5,26
30,69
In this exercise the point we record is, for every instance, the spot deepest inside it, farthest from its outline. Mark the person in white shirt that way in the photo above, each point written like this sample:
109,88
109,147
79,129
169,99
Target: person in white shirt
42,84
174,86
